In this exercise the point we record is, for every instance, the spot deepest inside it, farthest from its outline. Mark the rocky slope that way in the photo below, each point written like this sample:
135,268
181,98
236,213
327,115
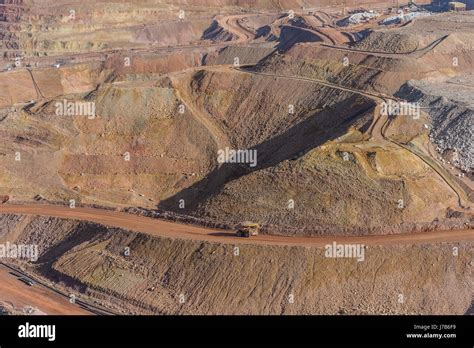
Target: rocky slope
164,276
452,118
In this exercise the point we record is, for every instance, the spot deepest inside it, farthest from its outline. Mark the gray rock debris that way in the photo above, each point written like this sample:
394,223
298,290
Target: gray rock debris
451,113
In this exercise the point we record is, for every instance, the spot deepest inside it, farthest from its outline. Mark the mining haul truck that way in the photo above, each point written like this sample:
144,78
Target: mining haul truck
247,229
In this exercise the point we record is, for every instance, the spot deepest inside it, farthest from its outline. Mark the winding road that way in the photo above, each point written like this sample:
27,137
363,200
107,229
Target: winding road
232,24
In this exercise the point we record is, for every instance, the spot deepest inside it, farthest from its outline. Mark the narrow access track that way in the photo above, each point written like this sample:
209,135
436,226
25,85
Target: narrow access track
38,90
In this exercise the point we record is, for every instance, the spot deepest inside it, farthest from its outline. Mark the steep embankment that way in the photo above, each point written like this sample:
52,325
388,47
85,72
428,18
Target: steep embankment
168,276
303,181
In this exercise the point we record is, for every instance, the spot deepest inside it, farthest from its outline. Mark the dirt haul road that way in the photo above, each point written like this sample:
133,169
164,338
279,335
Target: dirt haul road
232,25
20,295
169,229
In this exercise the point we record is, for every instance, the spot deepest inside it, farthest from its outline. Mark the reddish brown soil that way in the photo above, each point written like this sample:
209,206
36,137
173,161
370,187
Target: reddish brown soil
20,295
176,230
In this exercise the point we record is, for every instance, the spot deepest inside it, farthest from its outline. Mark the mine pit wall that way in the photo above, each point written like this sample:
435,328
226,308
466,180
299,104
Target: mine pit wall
9,17
212,279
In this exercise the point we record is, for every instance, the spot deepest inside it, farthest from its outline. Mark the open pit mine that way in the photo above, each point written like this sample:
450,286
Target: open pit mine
163,157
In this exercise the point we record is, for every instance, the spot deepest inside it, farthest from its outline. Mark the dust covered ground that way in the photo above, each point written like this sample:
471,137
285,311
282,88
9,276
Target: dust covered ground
126,107
136,273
